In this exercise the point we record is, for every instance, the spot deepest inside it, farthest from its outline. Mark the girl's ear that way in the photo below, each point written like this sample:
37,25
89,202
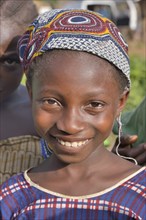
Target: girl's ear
122,101
29,89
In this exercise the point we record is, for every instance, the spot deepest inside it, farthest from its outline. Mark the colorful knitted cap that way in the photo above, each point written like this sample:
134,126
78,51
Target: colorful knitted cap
74,29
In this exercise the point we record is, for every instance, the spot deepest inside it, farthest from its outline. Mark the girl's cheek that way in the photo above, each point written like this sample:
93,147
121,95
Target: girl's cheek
105,123
43,121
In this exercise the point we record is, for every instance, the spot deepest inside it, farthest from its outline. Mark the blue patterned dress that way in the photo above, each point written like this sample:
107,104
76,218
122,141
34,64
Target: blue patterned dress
22,199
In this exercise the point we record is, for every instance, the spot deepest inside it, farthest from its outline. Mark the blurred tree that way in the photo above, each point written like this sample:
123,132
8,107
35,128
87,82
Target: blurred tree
142,4
138,79
53,3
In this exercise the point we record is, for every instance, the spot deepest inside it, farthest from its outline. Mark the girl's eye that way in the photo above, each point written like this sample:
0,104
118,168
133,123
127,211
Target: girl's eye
96,105
51,102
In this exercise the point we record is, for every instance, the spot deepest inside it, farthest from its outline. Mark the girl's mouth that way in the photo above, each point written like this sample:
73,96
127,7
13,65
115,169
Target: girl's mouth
74,144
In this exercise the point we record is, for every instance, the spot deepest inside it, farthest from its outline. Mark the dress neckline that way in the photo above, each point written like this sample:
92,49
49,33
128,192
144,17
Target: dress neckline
31,183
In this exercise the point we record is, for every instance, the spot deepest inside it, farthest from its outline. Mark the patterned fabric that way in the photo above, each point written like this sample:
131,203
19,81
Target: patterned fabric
18,154
75,29
46,151
22,199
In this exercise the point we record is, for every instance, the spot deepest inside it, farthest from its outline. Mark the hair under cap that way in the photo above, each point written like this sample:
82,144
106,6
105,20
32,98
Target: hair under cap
75,29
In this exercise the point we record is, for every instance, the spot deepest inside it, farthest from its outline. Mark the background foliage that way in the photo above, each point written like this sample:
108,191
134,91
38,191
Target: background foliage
138,79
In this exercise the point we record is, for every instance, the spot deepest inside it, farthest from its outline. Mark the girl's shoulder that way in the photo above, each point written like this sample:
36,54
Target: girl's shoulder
15,190
16,194
13,185
135,180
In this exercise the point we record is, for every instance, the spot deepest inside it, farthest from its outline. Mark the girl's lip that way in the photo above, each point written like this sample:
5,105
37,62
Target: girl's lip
69,139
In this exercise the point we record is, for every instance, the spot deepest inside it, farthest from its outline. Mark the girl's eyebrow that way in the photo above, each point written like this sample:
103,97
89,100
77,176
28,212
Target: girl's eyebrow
97,93
49,91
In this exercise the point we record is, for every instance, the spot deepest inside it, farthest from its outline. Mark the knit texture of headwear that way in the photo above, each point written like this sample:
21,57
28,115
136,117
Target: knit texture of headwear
75,29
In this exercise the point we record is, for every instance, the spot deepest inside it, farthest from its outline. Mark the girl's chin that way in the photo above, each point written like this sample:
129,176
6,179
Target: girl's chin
68,159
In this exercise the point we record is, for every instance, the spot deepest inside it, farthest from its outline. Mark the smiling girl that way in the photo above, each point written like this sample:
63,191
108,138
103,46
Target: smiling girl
77,71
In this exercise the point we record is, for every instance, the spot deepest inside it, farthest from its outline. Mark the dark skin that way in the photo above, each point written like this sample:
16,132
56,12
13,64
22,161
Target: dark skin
74,107
126,149
15,107
10,68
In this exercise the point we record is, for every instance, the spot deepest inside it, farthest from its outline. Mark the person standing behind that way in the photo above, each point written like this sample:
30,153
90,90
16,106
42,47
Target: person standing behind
19,140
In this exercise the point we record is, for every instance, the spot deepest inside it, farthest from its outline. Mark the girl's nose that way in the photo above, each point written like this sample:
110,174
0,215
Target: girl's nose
71,122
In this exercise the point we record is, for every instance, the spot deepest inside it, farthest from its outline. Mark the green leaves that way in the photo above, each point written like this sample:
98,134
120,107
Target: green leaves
138,79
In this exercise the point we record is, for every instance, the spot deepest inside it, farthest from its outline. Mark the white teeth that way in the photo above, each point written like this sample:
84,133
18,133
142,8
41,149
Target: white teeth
72,144
68,144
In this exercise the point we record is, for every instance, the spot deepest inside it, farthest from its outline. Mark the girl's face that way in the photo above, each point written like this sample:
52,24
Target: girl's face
75,100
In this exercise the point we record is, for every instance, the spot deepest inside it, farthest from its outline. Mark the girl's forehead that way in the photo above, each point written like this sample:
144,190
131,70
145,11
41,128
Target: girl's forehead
71,75
69,59
73,65
56,55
